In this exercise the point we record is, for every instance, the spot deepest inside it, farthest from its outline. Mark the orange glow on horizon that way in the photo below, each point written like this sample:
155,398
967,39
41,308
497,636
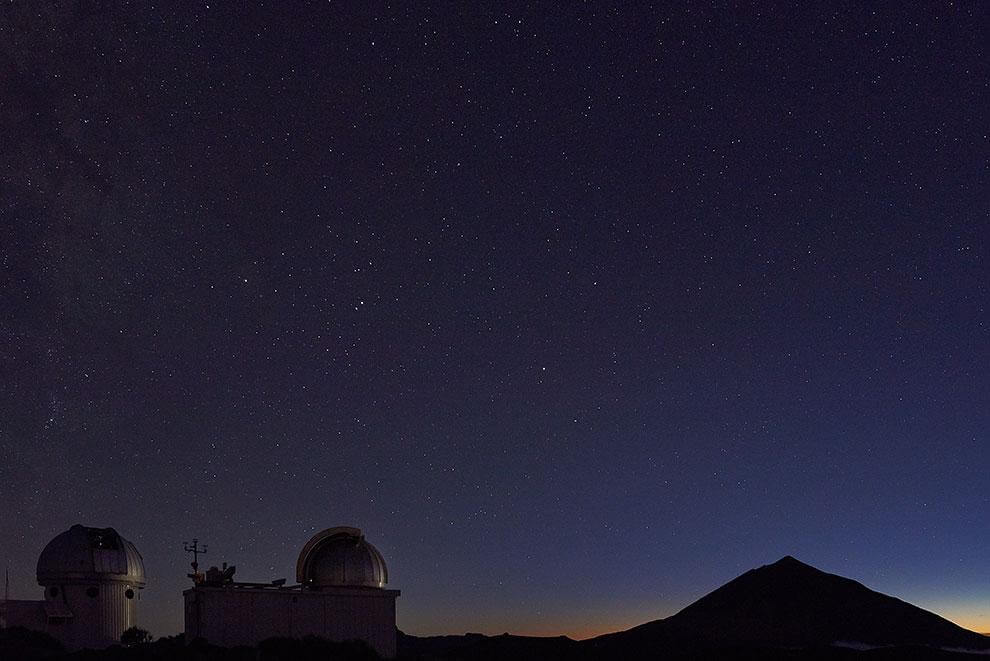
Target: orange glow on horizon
978,622
969,614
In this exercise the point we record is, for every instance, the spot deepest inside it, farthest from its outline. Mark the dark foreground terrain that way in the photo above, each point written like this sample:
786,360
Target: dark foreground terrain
20,645
23,645
786,610
29,646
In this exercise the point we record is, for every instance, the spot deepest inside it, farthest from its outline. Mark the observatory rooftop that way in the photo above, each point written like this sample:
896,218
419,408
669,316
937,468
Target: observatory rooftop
82,554
341,557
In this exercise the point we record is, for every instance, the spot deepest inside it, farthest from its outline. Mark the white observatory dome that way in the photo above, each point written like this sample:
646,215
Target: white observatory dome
85,555
341,557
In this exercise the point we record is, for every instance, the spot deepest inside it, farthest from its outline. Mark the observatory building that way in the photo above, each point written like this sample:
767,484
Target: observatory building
341,596
92,578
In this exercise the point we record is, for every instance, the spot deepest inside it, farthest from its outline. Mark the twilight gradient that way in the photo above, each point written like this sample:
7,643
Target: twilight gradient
578,312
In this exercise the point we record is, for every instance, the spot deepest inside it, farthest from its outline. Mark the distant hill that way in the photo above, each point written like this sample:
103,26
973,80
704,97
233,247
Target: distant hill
786,610
790,604
476,646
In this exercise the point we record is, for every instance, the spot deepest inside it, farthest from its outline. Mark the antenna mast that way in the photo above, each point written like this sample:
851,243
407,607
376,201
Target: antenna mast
6,598
196,550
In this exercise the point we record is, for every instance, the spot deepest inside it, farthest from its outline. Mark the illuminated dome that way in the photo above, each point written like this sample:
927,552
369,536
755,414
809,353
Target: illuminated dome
341,557
82,554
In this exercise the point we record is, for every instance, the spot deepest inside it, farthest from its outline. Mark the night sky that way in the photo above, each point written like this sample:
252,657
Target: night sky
577,311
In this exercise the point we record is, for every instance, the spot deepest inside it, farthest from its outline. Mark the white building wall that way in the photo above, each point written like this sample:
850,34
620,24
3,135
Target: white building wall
99,619
246,616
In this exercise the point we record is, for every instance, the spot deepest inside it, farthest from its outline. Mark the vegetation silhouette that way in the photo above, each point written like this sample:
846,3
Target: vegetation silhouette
21,643
135,636
18,644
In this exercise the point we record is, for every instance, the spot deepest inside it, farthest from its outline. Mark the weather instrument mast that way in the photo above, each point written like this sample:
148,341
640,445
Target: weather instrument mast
196,550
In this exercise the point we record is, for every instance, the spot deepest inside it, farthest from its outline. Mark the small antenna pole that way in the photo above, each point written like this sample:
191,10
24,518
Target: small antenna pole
6,598
196,550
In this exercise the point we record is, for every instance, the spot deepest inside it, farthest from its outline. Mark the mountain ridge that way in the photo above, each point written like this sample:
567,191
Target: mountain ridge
790,604
786,609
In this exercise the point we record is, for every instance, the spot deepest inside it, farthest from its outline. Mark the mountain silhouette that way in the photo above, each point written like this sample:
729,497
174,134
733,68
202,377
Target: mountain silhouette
785,610
789,605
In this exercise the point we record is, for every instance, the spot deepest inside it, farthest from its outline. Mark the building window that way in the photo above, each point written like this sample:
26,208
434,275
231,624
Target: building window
129,593
91,592
52,592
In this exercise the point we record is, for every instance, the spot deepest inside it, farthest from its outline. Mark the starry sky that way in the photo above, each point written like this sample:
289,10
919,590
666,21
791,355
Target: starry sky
578,310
